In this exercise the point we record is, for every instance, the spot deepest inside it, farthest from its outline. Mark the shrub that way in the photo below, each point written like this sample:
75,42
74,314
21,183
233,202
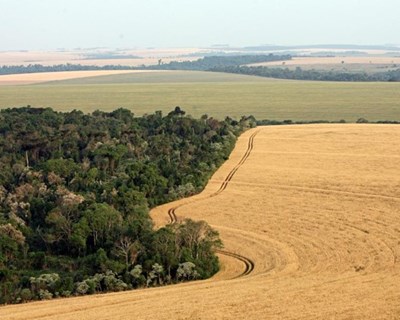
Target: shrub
82,288
66,293
46,282
362,120
45,295
112,283
155,275
187,271
137,275
25,295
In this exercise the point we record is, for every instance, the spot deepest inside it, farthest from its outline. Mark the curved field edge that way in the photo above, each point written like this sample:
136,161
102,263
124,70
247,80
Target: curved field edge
315,206
233,265
173,218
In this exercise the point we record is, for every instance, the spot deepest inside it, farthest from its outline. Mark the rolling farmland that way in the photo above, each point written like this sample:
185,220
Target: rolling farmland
215,94
309,218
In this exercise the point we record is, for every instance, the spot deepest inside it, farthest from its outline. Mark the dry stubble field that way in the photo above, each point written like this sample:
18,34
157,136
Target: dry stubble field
314,207
39,77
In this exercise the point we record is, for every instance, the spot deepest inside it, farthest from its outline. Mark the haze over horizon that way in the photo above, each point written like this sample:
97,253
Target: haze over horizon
49,24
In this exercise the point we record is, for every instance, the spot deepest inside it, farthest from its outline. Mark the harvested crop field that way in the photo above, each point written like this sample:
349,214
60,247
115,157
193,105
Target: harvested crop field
309,218
34,78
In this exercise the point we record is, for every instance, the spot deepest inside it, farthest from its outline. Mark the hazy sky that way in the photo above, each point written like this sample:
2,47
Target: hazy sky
49,24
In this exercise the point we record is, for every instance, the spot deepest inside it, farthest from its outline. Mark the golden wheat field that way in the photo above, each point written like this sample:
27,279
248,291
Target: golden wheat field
309,218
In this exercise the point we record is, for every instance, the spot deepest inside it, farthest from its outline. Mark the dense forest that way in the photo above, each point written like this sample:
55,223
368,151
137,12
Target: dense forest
316,75
75,194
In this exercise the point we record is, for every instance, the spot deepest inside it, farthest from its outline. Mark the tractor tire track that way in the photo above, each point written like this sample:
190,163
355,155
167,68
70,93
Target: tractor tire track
249,264
173,218
229,177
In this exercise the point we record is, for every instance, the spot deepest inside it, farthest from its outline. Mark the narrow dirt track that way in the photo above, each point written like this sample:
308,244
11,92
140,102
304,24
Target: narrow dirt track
248,263
172,211
315,208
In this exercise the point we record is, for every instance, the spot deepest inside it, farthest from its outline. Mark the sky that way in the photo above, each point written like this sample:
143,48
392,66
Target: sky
52,24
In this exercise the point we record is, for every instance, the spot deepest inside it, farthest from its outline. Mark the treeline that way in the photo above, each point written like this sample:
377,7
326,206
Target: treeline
203,64
208,63
315,75
75,192
37,68
267,122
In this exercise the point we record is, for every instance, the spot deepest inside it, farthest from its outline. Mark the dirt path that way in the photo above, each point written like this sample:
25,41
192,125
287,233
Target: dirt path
315,208
248,263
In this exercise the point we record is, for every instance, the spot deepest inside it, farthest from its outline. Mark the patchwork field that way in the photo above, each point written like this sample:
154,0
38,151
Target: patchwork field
313,209
215,94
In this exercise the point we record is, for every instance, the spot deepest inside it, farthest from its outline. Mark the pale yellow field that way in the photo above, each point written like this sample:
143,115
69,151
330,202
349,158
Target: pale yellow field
314,207
32,57
77,56
341,51
33,78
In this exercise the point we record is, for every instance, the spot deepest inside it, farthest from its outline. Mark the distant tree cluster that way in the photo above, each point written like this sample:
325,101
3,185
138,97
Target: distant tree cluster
316,75
37,68
212,62
75,192
267,122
